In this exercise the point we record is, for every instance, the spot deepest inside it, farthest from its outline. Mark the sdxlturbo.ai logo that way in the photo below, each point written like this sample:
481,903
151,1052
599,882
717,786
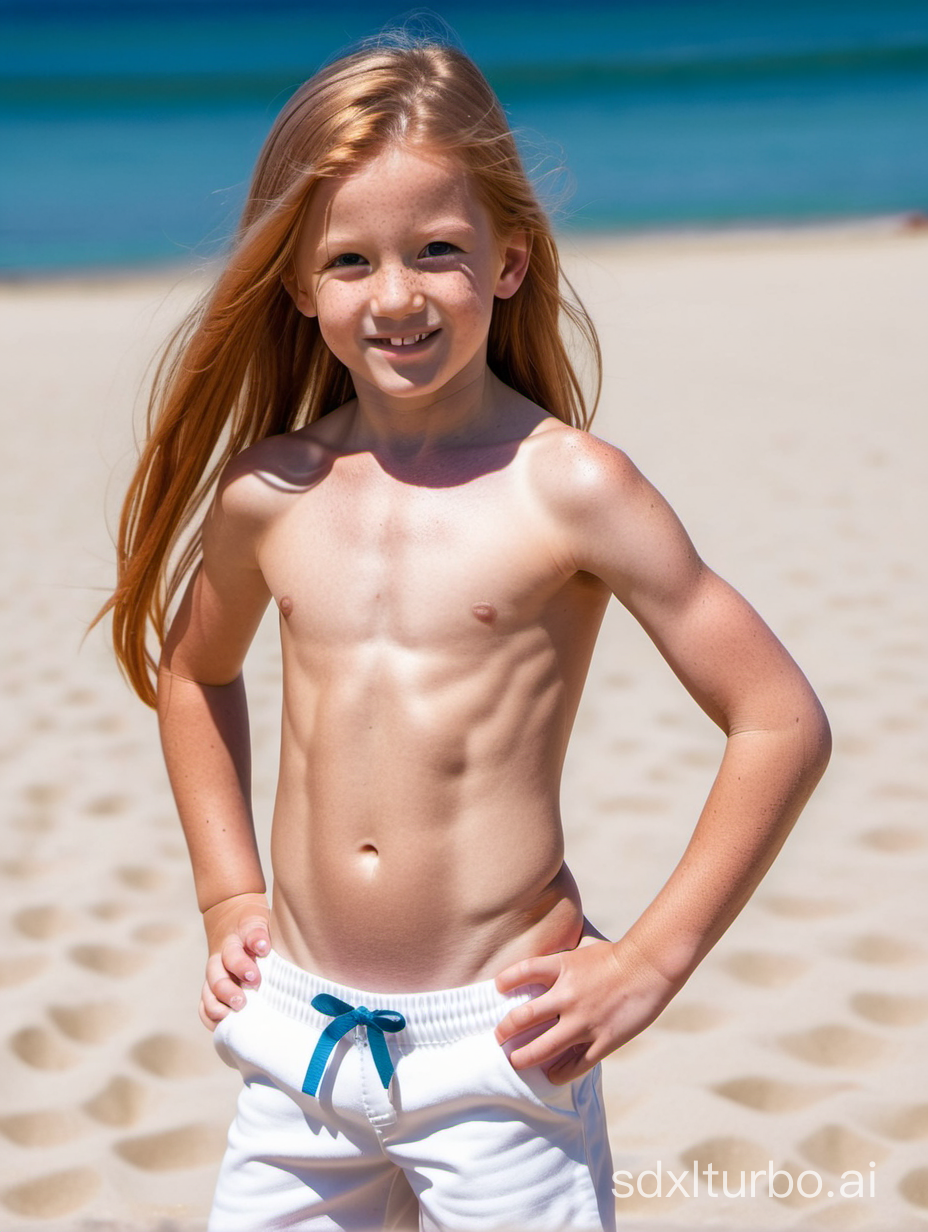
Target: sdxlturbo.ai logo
660,1182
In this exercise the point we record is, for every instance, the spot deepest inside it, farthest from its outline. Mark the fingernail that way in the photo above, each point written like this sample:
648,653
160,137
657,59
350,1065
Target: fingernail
262,947
237,1002
251,975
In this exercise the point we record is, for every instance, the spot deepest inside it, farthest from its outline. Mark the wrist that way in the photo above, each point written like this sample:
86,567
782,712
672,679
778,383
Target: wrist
212,897
244,898
674,962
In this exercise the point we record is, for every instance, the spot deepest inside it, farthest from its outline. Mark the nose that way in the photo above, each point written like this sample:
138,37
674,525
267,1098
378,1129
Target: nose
395,293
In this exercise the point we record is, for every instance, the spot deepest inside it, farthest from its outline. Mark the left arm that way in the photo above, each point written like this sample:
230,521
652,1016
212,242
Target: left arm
777,748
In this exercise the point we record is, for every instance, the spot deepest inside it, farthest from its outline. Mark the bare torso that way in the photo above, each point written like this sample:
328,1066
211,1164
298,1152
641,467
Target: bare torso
435,644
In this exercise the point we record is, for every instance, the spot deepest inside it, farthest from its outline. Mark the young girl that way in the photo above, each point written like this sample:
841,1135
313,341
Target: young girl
378,401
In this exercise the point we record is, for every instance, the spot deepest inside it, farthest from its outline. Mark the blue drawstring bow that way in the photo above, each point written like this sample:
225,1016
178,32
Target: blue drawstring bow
344,1018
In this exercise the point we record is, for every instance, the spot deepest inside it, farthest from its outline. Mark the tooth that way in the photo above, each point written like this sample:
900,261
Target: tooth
396,342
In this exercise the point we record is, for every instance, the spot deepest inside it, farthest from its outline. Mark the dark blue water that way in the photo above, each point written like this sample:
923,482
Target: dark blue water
128,131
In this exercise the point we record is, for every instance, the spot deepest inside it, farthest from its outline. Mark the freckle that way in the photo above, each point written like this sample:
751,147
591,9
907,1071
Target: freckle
485,612
285,605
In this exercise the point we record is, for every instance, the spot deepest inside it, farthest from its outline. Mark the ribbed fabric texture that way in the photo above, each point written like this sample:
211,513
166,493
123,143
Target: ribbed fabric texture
439,1017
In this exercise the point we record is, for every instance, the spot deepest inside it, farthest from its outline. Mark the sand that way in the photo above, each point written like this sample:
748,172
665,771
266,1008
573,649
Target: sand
773,386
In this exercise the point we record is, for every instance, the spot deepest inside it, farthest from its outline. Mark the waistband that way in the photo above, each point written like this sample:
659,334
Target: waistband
438,1017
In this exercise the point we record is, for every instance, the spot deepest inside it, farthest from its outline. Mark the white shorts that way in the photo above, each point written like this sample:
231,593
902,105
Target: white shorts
457,1140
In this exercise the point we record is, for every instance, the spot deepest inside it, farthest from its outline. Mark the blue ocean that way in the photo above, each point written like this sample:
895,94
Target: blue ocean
128,129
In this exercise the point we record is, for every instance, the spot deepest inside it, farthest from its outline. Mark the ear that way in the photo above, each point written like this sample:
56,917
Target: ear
516,253
302,298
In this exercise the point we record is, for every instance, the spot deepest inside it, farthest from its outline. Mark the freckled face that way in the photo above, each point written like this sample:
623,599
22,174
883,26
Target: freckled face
400,265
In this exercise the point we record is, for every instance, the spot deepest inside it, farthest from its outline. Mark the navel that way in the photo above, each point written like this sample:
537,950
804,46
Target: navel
485,612
369,858
285,605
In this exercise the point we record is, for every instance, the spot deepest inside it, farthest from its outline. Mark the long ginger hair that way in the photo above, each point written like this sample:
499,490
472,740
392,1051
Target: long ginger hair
246,364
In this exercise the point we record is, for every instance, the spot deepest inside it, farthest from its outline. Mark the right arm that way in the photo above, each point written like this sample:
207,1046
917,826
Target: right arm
203,720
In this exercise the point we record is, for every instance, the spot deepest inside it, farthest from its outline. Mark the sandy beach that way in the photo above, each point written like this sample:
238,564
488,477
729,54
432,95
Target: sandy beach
773,386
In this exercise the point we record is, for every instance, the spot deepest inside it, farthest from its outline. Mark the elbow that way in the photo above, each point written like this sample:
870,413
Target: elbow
816,741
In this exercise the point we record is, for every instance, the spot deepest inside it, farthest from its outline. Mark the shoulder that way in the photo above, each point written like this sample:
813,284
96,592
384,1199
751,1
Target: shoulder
255,489
264,478
579,475
609,520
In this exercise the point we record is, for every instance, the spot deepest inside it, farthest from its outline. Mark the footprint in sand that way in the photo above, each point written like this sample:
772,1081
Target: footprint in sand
121,1102
41,795
907,1123
108,806
49,1197
50,1127
801,577
894,839
834,1045
731,1155
890,1011
765,970
691,1018
90,1023
619,680
111,960
801,907
883,951
914,1187
837,1149
15,971
172,1056
191,1146
42,1049
157,933
771,1095
42,923
140,877
852,746
110,909
26,868
78,697
700,758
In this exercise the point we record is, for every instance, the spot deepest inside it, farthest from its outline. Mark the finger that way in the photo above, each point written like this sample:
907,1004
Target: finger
574,1063
211,1010
543,970
530,1015
238,962
257,939
544,1049
223,989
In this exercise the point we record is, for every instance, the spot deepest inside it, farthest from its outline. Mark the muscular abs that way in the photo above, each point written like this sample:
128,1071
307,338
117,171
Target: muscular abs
434,652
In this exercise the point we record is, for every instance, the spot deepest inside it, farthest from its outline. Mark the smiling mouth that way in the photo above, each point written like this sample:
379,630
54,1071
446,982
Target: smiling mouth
410,340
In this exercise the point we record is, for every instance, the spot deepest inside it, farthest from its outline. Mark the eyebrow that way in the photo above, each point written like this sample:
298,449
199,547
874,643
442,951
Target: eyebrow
333,240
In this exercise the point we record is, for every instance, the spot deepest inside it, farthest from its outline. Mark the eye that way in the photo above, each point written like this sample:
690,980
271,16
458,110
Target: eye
347,260
439,248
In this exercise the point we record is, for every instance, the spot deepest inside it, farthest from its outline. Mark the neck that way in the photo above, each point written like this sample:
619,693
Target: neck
410,428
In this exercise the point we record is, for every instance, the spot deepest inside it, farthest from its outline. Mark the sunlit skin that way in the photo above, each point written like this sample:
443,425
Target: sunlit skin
441,552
